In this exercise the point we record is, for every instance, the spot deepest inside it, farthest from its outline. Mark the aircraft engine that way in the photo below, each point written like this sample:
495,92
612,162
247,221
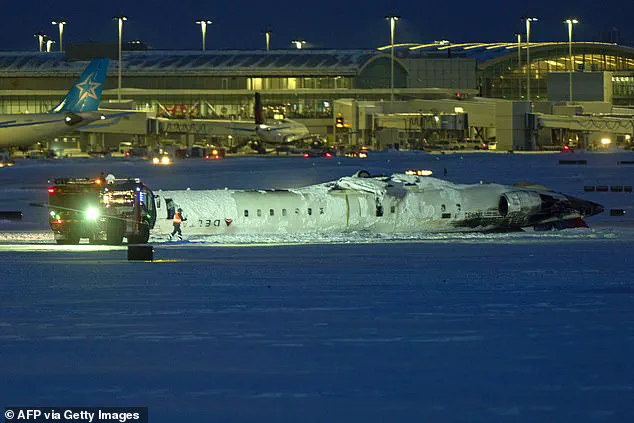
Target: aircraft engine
72,119
519,203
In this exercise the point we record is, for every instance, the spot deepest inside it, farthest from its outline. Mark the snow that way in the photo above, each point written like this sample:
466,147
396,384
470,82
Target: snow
519,327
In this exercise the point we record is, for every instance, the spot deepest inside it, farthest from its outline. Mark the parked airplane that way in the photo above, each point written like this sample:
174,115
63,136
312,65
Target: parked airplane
279,132
77,109
380,204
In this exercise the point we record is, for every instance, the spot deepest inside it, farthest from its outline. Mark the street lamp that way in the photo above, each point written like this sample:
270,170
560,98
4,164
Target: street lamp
267,38
570,22
392,20
60,24
120,19
519,65
49,44
41,37
203,27
298,43
528,55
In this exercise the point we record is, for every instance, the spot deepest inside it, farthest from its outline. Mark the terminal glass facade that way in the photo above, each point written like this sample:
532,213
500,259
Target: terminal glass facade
502,78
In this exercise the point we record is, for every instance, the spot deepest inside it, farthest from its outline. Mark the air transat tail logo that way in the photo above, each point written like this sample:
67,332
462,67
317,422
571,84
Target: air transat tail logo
87,88
228,221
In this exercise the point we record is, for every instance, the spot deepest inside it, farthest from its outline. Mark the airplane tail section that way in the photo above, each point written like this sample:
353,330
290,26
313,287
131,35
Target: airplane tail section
257,110
85,95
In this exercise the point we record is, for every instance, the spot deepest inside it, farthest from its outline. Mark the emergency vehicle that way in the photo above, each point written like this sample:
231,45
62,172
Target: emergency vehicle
104,210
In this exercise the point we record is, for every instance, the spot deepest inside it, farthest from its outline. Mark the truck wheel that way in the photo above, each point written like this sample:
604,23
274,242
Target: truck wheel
114,233
72,239
92,240
143,237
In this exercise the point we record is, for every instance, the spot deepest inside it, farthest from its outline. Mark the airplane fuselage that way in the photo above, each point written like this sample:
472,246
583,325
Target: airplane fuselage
283,131
26,129
357,204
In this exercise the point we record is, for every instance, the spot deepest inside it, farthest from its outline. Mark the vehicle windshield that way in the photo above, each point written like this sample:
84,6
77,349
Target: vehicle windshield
74,199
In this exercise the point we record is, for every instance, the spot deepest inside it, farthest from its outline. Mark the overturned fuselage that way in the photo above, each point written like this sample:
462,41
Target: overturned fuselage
380,204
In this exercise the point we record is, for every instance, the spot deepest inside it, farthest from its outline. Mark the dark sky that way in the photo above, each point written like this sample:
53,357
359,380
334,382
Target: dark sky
344,24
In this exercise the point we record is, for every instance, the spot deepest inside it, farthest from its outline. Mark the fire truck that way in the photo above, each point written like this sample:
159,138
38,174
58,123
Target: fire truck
104,210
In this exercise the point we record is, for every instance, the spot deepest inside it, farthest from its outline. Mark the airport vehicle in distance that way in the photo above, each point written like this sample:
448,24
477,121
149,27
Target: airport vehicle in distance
104,210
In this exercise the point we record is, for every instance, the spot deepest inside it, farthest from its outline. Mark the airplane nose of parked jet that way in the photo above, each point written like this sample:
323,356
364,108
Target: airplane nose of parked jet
584,207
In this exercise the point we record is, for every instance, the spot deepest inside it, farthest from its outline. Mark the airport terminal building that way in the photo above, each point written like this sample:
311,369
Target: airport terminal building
194,86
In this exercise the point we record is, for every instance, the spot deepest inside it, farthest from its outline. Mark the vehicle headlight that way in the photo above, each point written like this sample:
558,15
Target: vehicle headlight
92,213
155,160
165,160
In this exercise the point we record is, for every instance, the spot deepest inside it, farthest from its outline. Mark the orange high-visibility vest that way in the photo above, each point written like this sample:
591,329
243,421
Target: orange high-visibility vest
177,218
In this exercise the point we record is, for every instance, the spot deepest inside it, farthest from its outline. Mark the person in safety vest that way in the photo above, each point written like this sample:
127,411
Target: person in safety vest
178,219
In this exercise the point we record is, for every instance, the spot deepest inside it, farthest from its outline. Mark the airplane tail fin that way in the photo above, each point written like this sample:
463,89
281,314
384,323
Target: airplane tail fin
85,95
257,110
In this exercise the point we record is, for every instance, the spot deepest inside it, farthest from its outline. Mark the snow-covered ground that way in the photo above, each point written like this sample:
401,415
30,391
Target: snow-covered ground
334,327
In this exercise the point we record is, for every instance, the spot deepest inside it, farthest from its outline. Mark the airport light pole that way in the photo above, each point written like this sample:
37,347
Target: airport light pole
49,44
392,20
519,65
267,38
528,55
41,37
60,24
570,22
120,19
203,28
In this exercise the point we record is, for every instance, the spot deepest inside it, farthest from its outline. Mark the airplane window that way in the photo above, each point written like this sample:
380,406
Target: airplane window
283,212
458,207
393,209
310,211
271,212
321,210
259,213
246,213
296,211
442,208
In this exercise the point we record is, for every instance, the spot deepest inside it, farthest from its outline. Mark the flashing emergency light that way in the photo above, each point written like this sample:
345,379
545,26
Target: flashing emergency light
419,172
92,213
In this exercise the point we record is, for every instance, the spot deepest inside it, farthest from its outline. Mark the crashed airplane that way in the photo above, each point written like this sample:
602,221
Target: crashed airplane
398,203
